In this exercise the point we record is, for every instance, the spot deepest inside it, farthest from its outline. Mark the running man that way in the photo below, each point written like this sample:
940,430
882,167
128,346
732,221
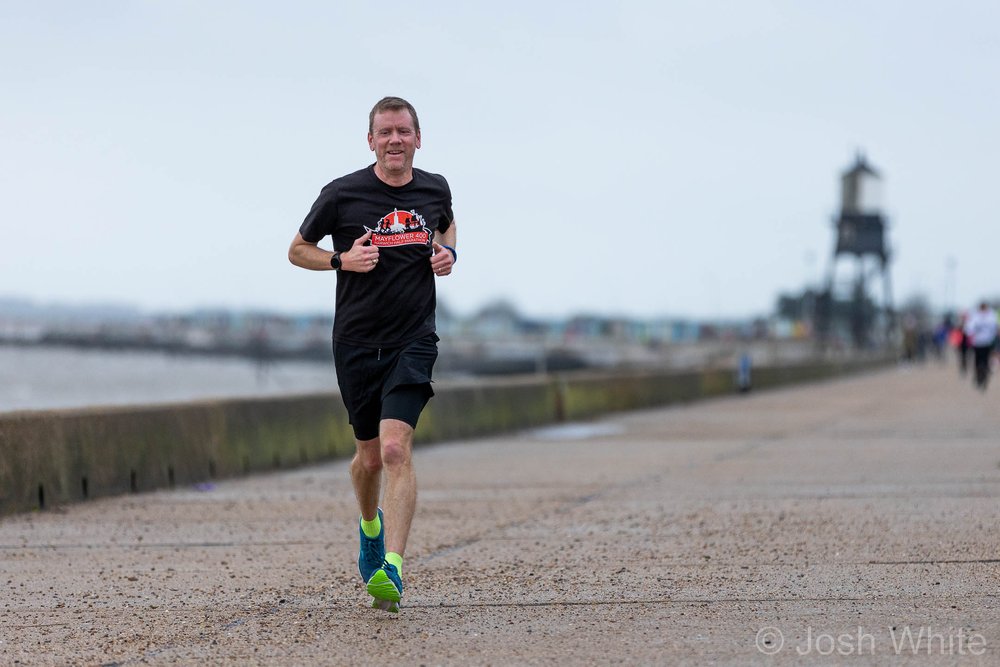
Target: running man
393,232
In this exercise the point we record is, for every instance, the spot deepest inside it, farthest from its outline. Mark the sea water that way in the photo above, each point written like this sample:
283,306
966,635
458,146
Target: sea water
37,378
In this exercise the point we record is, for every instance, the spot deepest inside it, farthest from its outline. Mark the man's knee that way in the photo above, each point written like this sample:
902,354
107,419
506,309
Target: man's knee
369,456
397,440
395,455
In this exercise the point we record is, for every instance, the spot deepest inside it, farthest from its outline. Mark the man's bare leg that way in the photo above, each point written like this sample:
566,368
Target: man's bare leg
398,506
400,501
366,476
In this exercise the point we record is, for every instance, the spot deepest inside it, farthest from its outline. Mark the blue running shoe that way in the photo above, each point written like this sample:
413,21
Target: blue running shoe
372,553
386,588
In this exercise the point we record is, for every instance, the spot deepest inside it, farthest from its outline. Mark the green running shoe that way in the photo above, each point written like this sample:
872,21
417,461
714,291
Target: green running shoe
372,552
386,588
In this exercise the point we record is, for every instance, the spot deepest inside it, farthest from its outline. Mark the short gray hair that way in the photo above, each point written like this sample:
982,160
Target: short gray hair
392,104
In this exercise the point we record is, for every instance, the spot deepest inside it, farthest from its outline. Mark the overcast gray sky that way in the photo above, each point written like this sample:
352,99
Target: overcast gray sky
642,158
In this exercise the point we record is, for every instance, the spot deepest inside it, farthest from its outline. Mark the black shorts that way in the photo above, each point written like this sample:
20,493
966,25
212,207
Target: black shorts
385,383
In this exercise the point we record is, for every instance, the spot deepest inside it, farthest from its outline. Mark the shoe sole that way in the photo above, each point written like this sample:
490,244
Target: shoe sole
384,593
386,605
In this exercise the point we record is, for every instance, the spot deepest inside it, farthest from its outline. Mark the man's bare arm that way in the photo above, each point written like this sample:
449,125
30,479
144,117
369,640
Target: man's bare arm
443,259
309,255
449,237
360,258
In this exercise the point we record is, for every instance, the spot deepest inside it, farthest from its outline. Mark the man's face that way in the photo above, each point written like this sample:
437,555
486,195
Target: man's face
394,140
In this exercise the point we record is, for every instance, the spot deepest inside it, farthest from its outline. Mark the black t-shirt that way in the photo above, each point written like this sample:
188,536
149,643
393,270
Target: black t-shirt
394,303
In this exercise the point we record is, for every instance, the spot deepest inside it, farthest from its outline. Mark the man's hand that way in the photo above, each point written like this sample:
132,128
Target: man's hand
442,260
360,258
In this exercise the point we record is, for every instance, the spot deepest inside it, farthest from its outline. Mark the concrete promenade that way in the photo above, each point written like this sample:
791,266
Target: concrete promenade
854,521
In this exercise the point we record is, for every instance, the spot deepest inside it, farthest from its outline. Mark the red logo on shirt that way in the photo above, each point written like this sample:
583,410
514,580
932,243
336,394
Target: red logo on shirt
400,228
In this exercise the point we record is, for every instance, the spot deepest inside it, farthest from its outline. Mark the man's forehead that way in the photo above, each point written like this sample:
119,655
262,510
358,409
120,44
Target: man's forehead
393,118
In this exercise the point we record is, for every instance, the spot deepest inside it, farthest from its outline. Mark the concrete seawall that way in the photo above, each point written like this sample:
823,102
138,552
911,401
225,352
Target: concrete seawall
55,457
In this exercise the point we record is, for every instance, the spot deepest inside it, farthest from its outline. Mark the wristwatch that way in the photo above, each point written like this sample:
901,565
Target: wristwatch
335,261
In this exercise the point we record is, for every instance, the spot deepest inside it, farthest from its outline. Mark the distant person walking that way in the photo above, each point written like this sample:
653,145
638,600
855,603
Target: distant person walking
960,341
393,233
981,328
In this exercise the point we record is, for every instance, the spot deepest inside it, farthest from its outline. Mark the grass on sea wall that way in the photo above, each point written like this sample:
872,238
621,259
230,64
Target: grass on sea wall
49,458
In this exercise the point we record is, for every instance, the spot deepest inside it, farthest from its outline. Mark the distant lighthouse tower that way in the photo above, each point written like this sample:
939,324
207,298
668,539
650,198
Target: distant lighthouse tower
845,306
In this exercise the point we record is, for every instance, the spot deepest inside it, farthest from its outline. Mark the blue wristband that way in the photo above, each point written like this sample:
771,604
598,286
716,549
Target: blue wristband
454,253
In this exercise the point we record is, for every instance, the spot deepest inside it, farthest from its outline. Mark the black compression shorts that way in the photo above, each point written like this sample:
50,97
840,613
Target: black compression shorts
378,384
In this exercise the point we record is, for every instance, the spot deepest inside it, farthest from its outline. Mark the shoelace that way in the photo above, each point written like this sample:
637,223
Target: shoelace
371,548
